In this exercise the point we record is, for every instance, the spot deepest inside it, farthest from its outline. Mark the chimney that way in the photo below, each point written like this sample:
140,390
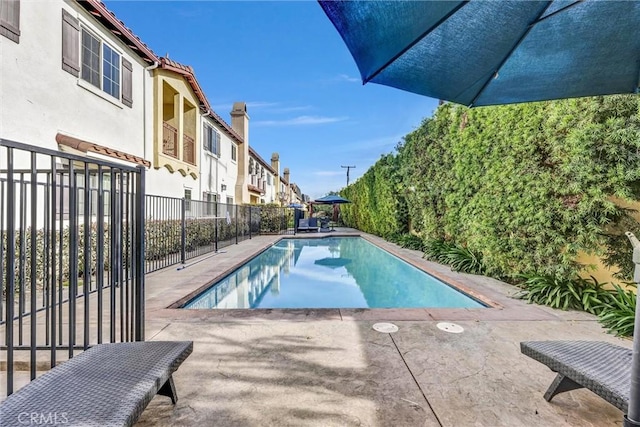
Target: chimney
240,124
275,164
288,185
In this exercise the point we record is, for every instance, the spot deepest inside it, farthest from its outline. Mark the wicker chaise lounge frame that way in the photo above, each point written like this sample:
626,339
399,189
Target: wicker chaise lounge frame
308,224
106,385
603,368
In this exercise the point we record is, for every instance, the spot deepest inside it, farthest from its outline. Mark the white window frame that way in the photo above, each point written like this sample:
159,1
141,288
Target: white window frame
188,194
211,206
101,76
234,152
212,139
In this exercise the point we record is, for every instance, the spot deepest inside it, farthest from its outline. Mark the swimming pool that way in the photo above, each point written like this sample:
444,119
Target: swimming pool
333,272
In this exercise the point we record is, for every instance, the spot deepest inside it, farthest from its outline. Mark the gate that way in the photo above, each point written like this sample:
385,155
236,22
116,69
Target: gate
71,256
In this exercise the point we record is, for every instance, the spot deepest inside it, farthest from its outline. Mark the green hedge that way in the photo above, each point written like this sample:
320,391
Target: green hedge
23,244
528,186
378,203
274,218
163,237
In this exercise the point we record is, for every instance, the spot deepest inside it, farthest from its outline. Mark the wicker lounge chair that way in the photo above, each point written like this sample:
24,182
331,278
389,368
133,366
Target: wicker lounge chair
107,385
603,368
308,224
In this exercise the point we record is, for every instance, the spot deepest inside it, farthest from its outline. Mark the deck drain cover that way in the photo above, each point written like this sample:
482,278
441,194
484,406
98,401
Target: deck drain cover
387,328
450,327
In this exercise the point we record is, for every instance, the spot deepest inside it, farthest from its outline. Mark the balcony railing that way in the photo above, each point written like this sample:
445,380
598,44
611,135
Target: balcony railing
188,149
169,140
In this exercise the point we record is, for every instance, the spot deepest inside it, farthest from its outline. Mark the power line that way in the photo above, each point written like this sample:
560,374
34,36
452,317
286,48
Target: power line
348,168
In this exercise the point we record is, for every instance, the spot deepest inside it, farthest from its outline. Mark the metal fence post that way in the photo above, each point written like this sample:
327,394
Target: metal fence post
250,220
139,262
236,224
183,237
10,279
215,232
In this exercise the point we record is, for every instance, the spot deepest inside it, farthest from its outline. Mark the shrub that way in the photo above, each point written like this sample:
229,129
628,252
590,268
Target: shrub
566,294
409,241
458,257
530,186
618,314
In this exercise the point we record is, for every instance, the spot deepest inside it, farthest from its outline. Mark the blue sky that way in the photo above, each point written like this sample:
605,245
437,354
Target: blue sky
288,63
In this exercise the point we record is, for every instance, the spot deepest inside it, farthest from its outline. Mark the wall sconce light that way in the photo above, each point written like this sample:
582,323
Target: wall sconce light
223,187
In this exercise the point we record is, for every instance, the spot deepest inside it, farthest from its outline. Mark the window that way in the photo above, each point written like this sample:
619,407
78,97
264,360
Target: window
87,56
229,209
111,72
211,140
10,19
187,199
90,59
100,59
234,152
268,179
211,200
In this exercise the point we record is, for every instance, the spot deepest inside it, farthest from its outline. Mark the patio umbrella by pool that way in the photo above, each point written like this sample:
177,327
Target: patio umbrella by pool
494,52
331,199
500,52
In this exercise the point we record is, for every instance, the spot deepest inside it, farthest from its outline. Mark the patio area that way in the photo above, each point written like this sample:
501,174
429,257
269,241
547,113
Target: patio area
330,368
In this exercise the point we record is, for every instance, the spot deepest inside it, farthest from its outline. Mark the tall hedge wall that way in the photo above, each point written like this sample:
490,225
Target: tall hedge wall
529,186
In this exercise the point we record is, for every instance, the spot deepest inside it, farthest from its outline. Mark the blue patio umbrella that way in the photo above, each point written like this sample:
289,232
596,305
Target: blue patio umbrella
481,52
331,199
494,52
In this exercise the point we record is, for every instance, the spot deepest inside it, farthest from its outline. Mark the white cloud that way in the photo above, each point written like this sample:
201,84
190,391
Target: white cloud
347,78
300,121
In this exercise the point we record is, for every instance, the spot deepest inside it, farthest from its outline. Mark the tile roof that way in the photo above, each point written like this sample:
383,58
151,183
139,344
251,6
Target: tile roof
118,28
255,154
255,189
85,146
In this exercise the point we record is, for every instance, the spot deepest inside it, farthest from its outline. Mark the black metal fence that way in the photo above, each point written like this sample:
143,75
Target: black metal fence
77,236
71,255
177,230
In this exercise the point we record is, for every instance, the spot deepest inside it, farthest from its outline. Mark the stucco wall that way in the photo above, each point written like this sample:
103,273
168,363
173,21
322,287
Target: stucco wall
216,171
161,180
39,99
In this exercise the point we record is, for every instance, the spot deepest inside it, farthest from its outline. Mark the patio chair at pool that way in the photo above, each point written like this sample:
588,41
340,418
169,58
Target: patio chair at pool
308,224
324,225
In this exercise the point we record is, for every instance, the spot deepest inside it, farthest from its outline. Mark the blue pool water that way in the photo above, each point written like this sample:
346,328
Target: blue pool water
335,272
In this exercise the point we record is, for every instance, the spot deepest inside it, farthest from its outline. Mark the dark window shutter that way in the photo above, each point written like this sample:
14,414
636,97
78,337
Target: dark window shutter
70,44
218,144
10,19
127,83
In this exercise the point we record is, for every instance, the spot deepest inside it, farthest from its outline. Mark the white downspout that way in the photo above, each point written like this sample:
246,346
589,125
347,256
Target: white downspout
207,114
144,107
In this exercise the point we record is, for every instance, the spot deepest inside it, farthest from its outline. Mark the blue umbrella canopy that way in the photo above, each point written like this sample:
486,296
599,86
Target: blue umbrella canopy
500,52
494,52
331,200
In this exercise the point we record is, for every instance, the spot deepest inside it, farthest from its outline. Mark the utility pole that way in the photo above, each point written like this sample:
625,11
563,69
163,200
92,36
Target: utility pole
348,168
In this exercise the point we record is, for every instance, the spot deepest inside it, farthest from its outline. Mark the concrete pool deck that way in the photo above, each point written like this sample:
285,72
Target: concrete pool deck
330,368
